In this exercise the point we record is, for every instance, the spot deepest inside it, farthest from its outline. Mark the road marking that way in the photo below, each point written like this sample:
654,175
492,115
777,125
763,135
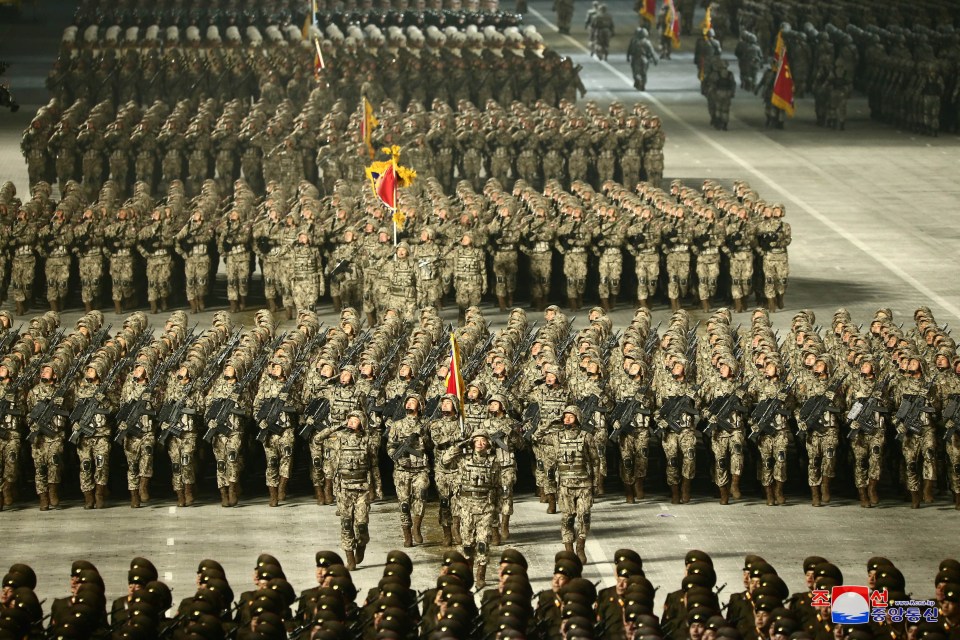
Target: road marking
171,510
682,537
169,542
596,557
877,256
664,507
168,576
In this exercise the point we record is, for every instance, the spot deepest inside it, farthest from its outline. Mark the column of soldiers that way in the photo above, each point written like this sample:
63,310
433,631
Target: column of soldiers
571,607
906,69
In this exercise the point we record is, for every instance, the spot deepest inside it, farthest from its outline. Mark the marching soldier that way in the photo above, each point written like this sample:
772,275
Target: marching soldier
676,414
276,432
772,437
407,447
193,243
609,242
634,434
228,442
577,469
140,441
821,433
11,429
725,412
677,236
47,440
537,240
120,238
445,432
155,240
573,238
469,274
233,242
738,246
504,237
346,275
643,242
866,395
94,450
179,432
773,238
353,461
551,396
915,428
506,440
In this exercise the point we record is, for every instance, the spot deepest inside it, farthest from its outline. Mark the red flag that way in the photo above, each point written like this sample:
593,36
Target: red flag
454,379
386,186
782,97
648,9
672,24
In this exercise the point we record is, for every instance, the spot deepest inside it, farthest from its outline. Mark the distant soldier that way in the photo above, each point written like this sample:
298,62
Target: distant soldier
640,54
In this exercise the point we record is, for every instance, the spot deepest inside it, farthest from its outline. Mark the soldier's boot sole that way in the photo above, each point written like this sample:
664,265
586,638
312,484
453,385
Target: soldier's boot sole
417,535
44,501
505,528
872,492
551,503
735,487
274,502
144,489
88,500
638,489
725,494
407,536
54,491
778,492
685,491
282,489
188,495
928,489
825,490
351,561
224,497
914,499
674,494
768,490
581,551
864,499
815,496
447,536
328,492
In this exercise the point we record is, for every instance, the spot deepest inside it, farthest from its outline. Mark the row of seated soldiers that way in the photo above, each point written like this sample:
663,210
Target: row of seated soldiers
409,64
320,142
457,607
904,59
681,242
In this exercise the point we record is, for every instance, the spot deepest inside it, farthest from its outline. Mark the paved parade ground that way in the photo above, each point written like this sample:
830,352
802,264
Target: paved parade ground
875,224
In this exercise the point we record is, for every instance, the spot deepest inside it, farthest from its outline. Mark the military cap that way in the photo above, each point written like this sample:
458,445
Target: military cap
784,626
776,583
627,555
946,575
700,615
890,578
14,580
512,556
80,565
696,580
758,569
145,568
90,576
27,572
328,558
810,563
399,557
829,570
951,592
766,602
949,563
266,559
567,555
157,593
567,568
268,572
462,571
716,621
696,555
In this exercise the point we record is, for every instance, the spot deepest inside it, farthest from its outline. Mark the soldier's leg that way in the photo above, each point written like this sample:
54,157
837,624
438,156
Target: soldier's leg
736,458
101,460
272,455
286,454
568,516
815,459
347,510
402,482
316,463
85,456
952,448
911,455
420,484
188,458
41,466
767,461
220,456
584,503
720,445
671,449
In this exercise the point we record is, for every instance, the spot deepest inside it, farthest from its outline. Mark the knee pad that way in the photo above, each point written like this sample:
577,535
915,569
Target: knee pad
201,281
363,531
671,463
539,465
644,281
232,282
287,450
912,466
347,525
829,453
468,551
586,519
876,450
643,451
176,467
232,456
185,459
569,521
721,463
781,456
317,463
737,447
628,464
86,466
604,279
501,280
543,281
956,469
769,462
273,463
768,280
929,454
688,454
148,449
444,503
864,463
43,469
614,283
221,466
405,508
482,547
817,461
98,461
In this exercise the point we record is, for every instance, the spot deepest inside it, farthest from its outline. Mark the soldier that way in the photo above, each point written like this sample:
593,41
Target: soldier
353,460
11,429
193,244
738,246
346,274
773,238
266,236
233,243
577,469
307,281
140,440
23,268
749,58
376,253
277,436
821,434
723,402
915,428
400,276
94,450
120,237
609,240
840,86
537,239
56,239
677,236
602,27
573,238
723,87
708,237
633,434
653,141
867,397
445,432
948,391
228,442
551,396
182,447
407,446
154,241
478,470
47,443
319,385
640,54
469,274
676,407
643,242
772,438
504,236
564,9
506,440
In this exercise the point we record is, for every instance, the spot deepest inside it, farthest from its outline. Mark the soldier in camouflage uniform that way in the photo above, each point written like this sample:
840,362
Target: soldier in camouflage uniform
577,469
504,237
307,284
919,446
88,245
345,285
182,449
277,447
444,434
94,451
634,439
266,242
120,237
653,150
772,464
773,238
377,253
822,441
643,242
154,241
469,274
354,457
228,445
679,440
431,268
552,396
407,447
233,243
949,393
400,277
140,441
538,238
677,236
24,263
193,243
56,240
506,440
47,450
11,430
727,437
608,245
478,470
867,432
708,237
573,238
738,245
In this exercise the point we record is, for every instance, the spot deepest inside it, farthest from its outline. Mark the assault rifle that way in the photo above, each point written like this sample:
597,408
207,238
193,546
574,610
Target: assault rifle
951,413
767,410
130,412
912,407
406,447
10,338
317,413
812,410
356,347
531,416
476,359
624,413
862,413
672,411
269,413
722,409
588,406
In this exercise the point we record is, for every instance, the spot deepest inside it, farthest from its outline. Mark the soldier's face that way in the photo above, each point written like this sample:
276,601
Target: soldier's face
446,406
569,419
411,405
480,444
550,379
494,407
353,423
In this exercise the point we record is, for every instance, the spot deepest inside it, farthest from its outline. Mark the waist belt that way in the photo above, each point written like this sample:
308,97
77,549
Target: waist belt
577,250
507,247
353,475
777,251
198,250
123,252
23,250
541,247
275,251
476,494
238,249
572,468
611,251
708,251
678,248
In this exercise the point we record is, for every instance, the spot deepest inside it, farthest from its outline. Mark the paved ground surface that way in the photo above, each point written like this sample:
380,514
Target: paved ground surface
874,216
